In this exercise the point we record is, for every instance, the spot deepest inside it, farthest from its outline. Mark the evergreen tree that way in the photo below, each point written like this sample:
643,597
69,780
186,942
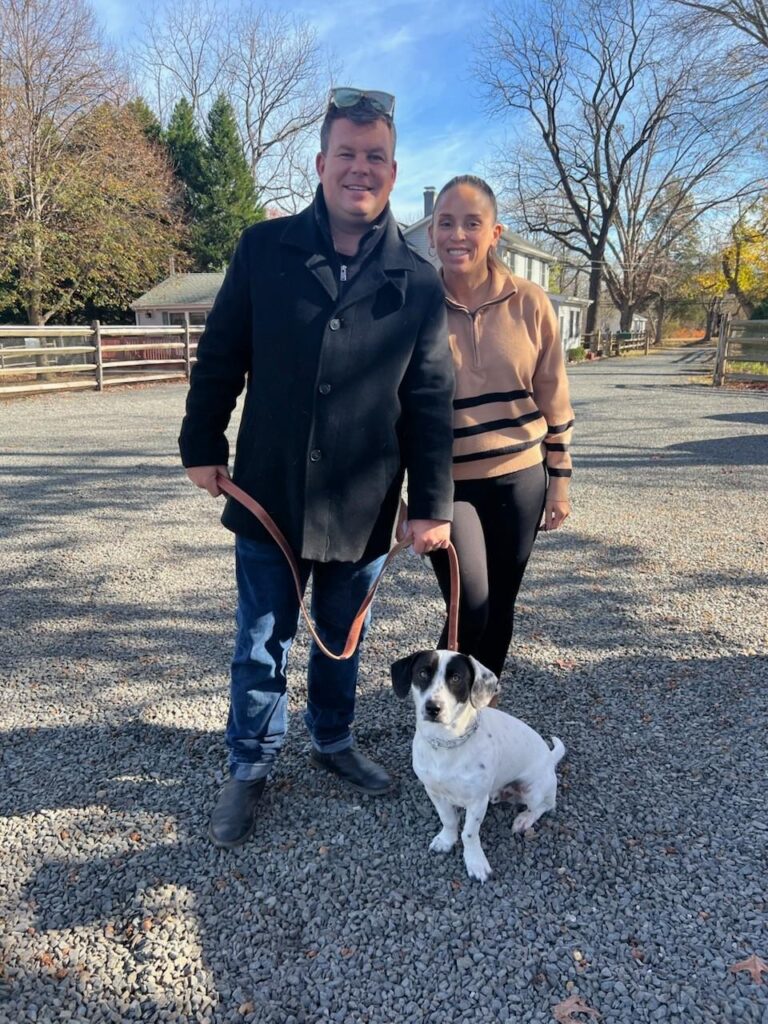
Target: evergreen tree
226,201
186,149
146,119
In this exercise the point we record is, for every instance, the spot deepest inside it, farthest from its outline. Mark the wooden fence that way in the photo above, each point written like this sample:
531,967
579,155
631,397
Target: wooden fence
740,342
36,359
618,343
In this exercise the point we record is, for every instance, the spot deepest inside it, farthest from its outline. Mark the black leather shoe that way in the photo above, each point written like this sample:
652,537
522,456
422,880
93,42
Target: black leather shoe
356,770
234,816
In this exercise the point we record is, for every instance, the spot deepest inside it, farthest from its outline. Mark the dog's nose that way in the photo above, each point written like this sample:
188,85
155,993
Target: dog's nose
432,709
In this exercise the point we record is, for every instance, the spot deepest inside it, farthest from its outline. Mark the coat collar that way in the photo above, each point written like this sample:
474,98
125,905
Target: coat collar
392,257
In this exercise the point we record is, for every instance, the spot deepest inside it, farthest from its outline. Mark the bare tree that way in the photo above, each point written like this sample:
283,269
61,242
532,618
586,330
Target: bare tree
54,72
272,68
738,29
182,51
278,79
598,82
750,17
684,173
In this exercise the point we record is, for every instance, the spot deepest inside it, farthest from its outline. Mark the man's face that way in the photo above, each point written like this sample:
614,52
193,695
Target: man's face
357,173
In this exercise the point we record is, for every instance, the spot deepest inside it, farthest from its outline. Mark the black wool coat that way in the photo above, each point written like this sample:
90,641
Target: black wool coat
343,394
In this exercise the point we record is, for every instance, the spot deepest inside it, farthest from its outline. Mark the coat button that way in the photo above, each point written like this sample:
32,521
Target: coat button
315,455
324,389
334,324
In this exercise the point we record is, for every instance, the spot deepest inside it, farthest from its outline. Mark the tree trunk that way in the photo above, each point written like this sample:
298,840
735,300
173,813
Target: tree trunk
593,310
661,305
626,316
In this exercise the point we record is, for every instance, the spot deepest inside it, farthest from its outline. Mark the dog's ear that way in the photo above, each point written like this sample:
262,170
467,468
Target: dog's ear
401,674
485,685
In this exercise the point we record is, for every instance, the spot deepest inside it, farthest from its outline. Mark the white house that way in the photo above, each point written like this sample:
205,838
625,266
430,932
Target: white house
523,259
166,303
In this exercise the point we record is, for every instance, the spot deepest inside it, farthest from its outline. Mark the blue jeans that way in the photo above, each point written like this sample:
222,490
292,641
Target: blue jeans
267,619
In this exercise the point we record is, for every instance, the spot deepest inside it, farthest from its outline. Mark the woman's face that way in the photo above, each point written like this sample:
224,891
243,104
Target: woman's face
463,229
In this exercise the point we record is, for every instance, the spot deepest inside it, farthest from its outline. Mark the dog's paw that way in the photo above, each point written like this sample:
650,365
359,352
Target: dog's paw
443,842
477,865
524,821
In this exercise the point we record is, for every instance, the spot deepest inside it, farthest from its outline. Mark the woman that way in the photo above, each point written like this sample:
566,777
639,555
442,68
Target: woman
512,418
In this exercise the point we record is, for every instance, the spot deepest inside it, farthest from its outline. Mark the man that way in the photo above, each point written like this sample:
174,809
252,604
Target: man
337,330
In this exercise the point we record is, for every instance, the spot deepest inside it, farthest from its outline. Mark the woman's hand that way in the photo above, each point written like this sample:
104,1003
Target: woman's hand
555,514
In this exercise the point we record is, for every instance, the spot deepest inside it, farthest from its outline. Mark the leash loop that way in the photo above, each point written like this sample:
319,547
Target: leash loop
353,638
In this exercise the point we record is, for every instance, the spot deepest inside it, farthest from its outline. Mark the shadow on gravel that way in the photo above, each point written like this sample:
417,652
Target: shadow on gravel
104,484
741,450
658,792
760,417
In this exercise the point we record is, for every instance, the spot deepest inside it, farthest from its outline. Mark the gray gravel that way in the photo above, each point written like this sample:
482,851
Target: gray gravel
641,642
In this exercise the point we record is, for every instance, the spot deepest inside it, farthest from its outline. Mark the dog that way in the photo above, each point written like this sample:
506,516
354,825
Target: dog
468,755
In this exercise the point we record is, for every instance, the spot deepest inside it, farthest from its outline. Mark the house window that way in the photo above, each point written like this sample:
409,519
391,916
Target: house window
196,319
529,268
572,330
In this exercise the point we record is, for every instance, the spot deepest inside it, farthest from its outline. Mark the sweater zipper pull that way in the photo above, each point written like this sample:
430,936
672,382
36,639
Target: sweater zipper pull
343,272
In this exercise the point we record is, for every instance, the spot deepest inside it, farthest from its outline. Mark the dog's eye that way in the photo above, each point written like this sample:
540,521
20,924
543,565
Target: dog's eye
424,673
453,678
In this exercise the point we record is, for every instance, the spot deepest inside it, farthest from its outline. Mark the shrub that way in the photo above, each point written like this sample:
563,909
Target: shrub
576,354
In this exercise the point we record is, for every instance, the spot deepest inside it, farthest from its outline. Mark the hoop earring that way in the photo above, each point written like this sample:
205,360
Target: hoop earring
432,251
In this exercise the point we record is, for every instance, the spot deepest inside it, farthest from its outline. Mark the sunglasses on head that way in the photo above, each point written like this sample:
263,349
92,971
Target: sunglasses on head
383,102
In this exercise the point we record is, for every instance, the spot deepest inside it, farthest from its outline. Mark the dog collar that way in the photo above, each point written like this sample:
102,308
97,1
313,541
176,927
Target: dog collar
435,742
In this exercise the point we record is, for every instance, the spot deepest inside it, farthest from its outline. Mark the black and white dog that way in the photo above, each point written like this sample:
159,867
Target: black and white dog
469,755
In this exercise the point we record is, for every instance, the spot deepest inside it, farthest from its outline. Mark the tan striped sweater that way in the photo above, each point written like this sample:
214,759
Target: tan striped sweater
512,407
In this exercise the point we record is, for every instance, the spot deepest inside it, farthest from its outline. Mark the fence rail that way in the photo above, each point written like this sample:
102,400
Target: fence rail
741,342
59,358
617,343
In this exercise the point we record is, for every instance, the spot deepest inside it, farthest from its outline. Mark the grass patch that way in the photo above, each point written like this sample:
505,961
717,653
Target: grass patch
752,369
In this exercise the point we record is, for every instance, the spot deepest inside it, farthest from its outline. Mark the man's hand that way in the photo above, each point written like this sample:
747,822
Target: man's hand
205,477
428,535
555,514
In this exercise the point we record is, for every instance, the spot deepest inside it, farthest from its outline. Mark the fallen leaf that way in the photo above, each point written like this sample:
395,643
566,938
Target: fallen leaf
244,1008
323,850
61,973
347,951
754,964
135,837
147,924
637,954
455,885
46,959
310,954
574,1004
64,834
563,663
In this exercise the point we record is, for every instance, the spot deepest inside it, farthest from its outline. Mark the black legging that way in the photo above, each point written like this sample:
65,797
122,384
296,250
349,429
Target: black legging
494,526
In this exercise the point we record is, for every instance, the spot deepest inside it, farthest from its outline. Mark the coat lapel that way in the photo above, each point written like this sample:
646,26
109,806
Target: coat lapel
387,266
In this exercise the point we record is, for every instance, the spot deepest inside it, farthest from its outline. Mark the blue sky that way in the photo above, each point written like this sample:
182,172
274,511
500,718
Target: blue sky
421,52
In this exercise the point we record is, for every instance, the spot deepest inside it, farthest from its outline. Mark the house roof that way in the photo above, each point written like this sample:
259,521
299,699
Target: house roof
512,241
182,290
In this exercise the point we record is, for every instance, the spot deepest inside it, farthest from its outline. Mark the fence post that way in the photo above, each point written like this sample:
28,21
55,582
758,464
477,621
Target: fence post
647,340
187,353
722,351
99,358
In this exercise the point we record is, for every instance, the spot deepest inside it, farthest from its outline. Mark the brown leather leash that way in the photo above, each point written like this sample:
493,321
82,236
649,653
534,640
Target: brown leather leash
353,638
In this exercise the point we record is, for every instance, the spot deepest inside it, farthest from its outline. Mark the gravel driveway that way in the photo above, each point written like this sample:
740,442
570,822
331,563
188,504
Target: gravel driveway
641,642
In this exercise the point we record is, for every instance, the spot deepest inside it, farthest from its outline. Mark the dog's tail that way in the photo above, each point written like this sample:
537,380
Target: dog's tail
558,750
